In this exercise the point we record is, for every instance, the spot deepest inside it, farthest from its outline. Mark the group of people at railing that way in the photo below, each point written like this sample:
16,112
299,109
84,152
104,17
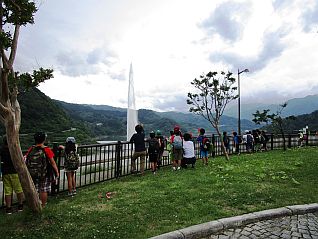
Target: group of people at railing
181,149
39,160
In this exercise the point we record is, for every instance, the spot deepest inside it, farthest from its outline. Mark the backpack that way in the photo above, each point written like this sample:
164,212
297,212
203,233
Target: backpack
37,163
239,139
153,146
177,142
226,140
206,144
71,161
249,139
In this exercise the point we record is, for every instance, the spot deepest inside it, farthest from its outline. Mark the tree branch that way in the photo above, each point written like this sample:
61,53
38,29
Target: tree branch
5,60
14,45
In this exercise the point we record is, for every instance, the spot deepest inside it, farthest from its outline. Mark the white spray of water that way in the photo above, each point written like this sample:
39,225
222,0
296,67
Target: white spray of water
132,113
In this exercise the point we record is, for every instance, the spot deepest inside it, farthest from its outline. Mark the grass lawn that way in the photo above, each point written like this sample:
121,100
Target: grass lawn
146,206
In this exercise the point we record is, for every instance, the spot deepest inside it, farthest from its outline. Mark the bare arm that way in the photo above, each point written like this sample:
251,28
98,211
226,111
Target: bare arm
52,162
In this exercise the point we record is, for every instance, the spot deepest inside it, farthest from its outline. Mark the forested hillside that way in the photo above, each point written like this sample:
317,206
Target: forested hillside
89,123
40,113
300,122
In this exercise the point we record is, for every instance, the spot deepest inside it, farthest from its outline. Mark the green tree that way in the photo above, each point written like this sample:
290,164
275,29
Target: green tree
275,119
13,15
213,92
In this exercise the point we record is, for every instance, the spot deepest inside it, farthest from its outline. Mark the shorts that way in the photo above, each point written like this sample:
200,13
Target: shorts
153,158
43,186
177,154
204,154
69,170
11,183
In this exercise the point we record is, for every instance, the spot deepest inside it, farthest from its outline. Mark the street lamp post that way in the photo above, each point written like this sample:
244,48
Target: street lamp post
239,100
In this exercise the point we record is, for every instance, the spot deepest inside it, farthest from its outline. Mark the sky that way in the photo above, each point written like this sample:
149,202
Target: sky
91,44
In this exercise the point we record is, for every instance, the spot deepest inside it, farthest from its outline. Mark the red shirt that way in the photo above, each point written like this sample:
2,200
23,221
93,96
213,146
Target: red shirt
48,151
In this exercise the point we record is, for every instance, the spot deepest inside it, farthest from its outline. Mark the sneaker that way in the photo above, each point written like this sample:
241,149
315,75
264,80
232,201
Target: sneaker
70,194
20,207
74,191
174,168
9,210
178,168
154,172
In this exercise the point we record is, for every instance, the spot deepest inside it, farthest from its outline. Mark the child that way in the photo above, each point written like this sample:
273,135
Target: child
153,151
161,147
71,164
38,154
169,146
10,179
204,151
176,141
188,151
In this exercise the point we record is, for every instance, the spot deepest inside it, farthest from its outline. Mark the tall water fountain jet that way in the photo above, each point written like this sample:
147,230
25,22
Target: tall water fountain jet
132,113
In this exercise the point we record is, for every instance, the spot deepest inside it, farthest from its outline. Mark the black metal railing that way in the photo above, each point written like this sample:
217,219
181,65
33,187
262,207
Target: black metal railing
102,162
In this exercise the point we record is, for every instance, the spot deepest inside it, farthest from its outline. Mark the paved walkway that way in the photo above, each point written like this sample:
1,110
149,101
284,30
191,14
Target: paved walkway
299,221
296,226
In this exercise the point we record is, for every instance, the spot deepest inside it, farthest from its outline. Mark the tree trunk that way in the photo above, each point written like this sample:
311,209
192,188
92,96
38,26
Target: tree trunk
31,195
222,144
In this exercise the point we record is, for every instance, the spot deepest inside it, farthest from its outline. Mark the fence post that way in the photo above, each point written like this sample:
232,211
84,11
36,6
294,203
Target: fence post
118,159
272,141
307,138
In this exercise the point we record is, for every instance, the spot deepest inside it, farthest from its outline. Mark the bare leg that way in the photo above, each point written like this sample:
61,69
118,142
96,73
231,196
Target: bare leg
20,197
43,198
8,199
73,181
133,163
69,181
142,164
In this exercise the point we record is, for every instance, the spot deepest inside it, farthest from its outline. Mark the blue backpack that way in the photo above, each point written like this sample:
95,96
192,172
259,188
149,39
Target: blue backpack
177,142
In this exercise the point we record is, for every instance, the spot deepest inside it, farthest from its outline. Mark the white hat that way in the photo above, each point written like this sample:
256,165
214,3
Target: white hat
71,139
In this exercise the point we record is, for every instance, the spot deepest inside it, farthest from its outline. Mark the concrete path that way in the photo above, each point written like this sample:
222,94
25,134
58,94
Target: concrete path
299,221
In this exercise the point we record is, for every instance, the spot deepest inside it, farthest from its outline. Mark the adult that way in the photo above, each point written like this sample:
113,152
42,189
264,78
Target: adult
37,156
11,180
138,139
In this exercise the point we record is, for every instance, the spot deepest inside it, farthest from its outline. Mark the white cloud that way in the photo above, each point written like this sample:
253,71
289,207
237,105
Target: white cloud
90,45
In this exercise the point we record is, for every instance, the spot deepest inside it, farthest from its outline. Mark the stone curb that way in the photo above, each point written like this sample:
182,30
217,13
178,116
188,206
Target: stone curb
208,228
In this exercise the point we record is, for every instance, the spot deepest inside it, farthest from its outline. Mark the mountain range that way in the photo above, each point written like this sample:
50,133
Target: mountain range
297,106
90,123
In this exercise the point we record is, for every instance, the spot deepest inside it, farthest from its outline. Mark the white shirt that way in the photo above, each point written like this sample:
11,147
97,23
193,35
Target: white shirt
188,149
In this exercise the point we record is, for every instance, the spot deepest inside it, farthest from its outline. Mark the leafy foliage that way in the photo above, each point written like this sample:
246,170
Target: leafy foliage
275,118
214,92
